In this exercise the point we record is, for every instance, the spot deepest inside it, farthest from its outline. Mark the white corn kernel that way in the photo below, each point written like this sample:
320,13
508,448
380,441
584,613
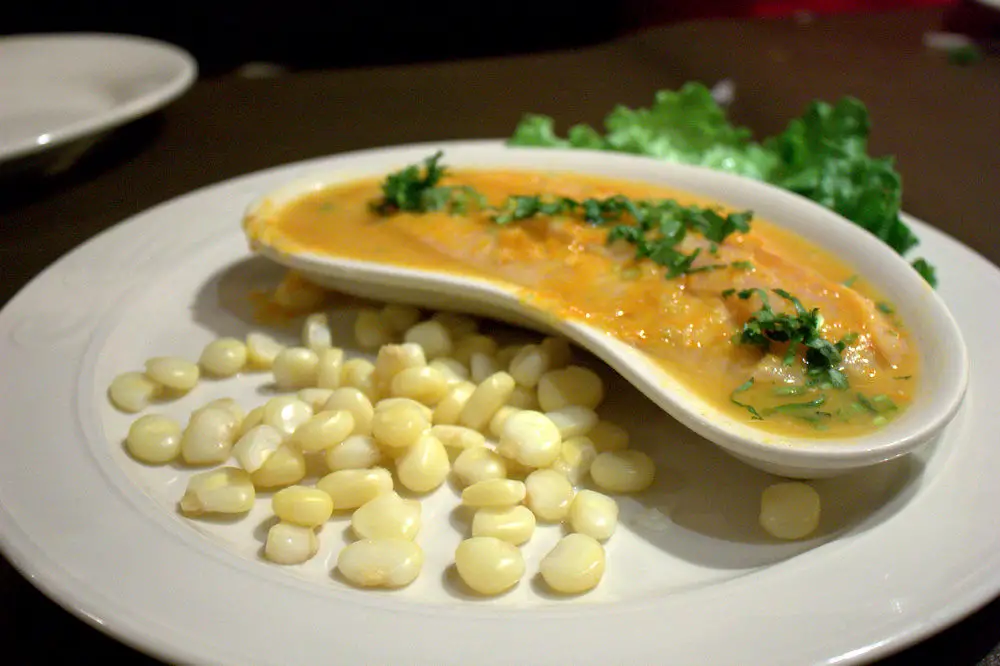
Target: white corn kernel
530,438
314,397
484,402
468,345
350,488
222,490
391,403
359,373
488,565
523,397
453,371
132,391
529,364
458,325
506,354
479,464
393,359
573,420
608,436
329,368
154,439
286,413
223,357
355,452
574,385
370,330
399,425
284,467
295,368
514,525
172,372
450,408
575,565
789,510
623,471
593,514
425,385
301,505
231,406
399,317
387,563
255,446
323,431
481,366
458,437
208,437
254,418
558,350
316,333
493,493
432,336
576,455
388,516
424,466
262,350
290,544
496,423
357,403
549,494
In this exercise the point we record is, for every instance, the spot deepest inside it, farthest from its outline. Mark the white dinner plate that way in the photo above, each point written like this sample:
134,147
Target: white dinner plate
63,89
903,548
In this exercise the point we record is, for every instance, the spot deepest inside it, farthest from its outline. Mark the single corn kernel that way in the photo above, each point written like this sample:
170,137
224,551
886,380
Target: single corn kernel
387,563
573,420
424,466
208,437
357,403
222,490
575,565
559,351
468,345
506,354
549,494
523,397
290,544
576,455
132,391
254,418
286,413
493,493
450,408
458,325
608,436
530,438
329,368
235,411
316,334
399,425
284,467
388,516
458,437
398,318
529,364
262,349
355,452
593,514
223,357
392,403
314,397
393,359
432,336
484,402
172,372
574,385
359,373
323,431
300,505
515,525
454,372
350,488
496,423
789,510
256,446
370,330
295,368
154,439
297,294
479,464
481,366
425,385
623,471
489,565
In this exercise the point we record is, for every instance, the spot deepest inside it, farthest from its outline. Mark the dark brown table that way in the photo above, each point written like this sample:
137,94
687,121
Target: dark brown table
942,122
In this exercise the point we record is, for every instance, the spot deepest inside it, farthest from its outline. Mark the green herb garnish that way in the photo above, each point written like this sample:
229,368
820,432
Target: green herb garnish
416,189
745,386
884,307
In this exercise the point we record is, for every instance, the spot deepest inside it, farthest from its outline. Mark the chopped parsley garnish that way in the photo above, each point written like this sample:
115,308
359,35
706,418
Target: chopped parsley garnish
745,386
884,307
416,189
